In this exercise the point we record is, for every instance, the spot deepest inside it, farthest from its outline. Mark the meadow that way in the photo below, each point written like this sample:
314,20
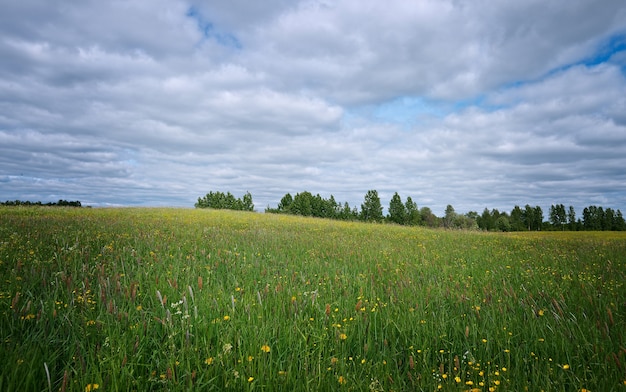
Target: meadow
182,299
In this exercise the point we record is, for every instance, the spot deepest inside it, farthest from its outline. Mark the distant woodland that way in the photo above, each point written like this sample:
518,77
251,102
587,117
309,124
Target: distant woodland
60,203
527,218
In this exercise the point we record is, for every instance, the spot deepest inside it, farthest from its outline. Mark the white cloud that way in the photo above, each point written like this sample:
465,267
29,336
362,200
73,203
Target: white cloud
475,104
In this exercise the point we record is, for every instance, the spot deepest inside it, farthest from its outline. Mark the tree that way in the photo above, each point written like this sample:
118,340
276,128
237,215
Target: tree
397,210
371,209
247,204
485,221
502,223
301,204
412,213
571,218
448,219
285,203
428,218
558,216
515,219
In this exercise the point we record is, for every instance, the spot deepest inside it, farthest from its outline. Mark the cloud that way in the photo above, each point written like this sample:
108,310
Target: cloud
475,104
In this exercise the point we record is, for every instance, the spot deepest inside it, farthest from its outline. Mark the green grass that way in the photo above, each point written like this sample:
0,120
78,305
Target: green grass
174,299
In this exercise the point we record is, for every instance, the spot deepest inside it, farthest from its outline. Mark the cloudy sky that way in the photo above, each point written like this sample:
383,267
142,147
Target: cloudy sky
472,103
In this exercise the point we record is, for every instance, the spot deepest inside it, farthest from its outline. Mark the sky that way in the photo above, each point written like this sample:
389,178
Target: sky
470,103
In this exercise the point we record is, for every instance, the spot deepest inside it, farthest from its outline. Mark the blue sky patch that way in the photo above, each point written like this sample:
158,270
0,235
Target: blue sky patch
209,30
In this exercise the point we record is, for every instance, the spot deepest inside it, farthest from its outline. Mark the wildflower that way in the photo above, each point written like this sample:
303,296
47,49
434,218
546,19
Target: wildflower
333,360
540,312
565,367
91,387
457,379
265,348
227,347
282,373
226,318
250,379
91,322
250,358
341,380
343,336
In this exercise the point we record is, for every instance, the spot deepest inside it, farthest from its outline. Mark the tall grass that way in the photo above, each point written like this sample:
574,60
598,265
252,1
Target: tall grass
169,299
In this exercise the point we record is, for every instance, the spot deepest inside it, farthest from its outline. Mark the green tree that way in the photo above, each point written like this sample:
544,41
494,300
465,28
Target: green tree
412,213
371,209
397,210
502,223
449,217
285,203
247,203
571,218
301,204
428,218
515,219
558,216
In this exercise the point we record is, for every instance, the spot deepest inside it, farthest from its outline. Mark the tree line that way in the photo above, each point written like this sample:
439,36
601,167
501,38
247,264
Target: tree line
60,203
220,201
407,213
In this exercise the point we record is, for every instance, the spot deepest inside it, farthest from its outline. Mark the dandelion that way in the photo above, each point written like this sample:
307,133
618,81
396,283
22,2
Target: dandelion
226,318
91,387
209,361
250,379
341,380
457,379
265,348
565,367
343,336
540,312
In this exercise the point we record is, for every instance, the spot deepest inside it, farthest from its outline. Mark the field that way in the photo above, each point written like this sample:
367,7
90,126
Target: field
176,299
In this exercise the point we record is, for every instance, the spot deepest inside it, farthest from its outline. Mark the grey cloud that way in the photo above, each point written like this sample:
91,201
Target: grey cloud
157,103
